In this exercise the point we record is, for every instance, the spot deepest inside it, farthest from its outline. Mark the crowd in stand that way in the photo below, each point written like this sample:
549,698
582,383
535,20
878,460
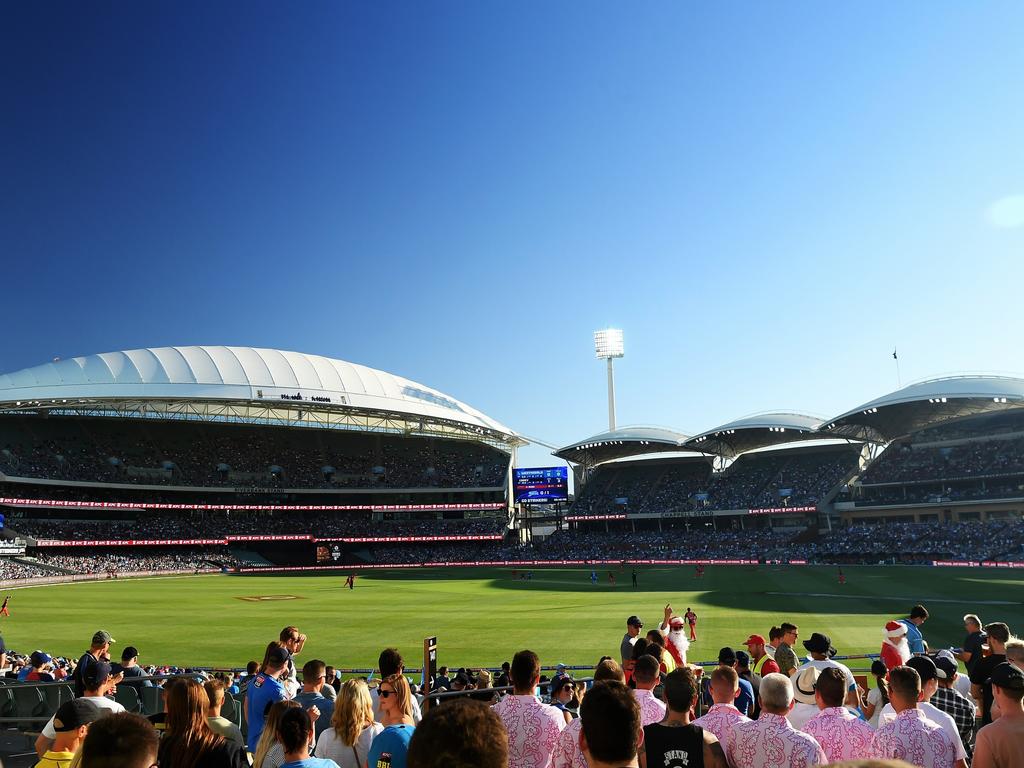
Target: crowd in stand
123,560
781,703
209,524
911,462
207,456
782,478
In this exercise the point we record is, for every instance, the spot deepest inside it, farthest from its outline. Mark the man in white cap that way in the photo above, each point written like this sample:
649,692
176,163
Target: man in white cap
895,649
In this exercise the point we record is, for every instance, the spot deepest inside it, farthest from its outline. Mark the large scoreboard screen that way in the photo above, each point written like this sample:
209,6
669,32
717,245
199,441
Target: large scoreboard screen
540,484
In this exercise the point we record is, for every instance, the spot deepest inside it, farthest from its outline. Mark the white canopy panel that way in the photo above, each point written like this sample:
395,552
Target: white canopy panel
234,373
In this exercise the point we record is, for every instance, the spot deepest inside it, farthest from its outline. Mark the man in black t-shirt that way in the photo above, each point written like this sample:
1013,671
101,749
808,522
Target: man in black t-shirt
130,668
100,647
675,742
971,653
998,633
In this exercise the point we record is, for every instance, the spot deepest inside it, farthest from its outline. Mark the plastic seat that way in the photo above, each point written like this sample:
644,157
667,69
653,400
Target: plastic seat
128,697
29,702
232,709
151,702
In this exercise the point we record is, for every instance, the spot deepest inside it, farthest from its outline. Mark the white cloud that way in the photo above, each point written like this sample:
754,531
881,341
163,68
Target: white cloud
1007,212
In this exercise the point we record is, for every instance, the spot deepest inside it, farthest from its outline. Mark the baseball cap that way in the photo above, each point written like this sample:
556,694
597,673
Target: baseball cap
819,643
634,621
102,637
945,653
74,714
926,668
96,675
39,658
742,659
278,655
803,685
727,656
1007,676
754,640
129,652
947,666
560,666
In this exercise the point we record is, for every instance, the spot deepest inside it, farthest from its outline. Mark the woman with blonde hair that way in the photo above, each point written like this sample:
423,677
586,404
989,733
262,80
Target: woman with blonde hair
347,741
269,750
396,717
188,741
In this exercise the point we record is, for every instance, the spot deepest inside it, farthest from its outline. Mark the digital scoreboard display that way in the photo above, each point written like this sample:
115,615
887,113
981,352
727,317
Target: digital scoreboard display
540,484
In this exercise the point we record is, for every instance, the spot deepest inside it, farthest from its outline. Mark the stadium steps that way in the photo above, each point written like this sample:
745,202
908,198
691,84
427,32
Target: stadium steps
248,557
46,566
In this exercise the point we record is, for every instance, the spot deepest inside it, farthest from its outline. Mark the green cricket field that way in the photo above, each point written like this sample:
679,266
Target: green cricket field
482,616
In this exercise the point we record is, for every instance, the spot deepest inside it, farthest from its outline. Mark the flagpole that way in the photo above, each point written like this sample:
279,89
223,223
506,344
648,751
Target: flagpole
899,379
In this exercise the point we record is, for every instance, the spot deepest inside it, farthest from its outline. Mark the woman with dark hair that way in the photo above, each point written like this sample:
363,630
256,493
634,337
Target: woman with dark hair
563,695
878,696
296,732
188,741
639,649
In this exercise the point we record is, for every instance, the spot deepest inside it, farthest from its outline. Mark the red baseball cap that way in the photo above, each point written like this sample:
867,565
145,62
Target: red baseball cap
754,640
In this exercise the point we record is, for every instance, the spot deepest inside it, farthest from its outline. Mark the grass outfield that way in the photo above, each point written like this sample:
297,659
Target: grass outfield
482,616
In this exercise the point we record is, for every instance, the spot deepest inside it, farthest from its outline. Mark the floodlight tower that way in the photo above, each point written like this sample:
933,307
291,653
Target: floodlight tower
608,345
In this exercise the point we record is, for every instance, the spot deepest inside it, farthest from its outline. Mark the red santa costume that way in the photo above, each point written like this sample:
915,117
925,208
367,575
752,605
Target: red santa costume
675,639
895,649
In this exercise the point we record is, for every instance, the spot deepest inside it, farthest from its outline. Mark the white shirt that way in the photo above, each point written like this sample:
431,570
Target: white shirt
100,701
330,747
822,664
937,716
801,714
375,698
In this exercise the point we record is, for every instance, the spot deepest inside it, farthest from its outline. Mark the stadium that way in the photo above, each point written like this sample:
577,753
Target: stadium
240,480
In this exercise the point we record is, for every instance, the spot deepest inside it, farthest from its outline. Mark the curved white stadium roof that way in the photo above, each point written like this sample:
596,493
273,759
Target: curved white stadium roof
624,441
266,376
756,431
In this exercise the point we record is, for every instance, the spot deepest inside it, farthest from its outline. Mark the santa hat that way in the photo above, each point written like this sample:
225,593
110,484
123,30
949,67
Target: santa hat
675,622
894,629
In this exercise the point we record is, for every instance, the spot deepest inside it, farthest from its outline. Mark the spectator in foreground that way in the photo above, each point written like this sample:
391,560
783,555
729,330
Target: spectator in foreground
745,699
99,650
949,700
98,683
567,752
129,668
264,689
347,741
532,727
390,662
392,744
220,725
188,740
611,729
1001,744
121,740
71,724
841,734
761,663
461,734
723,717
998,635
645,676
314,677
770,741
269,752
633,627
878,696
676,740
805,705
911,736
971,651
785,657
296,733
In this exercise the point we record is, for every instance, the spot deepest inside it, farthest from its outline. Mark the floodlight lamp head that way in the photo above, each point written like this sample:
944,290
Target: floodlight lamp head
609,343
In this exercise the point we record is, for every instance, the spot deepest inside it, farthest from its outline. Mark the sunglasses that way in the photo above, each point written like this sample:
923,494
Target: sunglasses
384,693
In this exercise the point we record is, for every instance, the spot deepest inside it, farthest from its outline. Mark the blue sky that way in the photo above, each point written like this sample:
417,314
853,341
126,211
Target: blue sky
766,197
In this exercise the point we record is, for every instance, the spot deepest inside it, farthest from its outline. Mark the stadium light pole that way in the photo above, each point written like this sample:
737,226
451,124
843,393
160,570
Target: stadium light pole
608,345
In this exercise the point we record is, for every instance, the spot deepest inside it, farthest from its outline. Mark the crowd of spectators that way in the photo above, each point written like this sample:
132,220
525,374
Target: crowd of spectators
210,524
236,456
774,479
12,569
914,462
124,560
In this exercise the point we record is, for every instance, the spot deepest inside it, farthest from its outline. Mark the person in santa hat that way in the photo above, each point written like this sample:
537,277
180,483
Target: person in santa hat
895,649
673,629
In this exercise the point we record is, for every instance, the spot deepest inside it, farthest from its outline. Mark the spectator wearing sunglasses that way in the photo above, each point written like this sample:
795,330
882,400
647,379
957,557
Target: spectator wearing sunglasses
390,662
390,747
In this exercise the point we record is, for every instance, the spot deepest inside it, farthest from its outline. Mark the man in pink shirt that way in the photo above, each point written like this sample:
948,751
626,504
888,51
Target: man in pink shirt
841,734
645,676
911,736
567,749
770,741
723,717
533,728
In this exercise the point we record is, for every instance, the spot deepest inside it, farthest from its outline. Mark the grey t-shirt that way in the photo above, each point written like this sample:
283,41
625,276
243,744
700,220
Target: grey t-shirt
626,647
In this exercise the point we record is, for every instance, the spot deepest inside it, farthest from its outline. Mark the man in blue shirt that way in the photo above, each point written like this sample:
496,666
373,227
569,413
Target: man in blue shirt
264,690
314,675
918,616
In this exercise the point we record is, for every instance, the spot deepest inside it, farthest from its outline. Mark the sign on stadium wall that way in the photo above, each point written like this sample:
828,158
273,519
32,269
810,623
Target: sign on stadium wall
499,563
14,502
976,564
581,518
782,510
259,537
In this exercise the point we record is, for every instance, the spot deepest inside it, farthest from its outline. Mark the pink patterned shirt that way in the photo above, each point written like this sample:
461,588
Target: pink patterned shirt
722,720
651,710
533,729
914,738
567,750
771,742
841,734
